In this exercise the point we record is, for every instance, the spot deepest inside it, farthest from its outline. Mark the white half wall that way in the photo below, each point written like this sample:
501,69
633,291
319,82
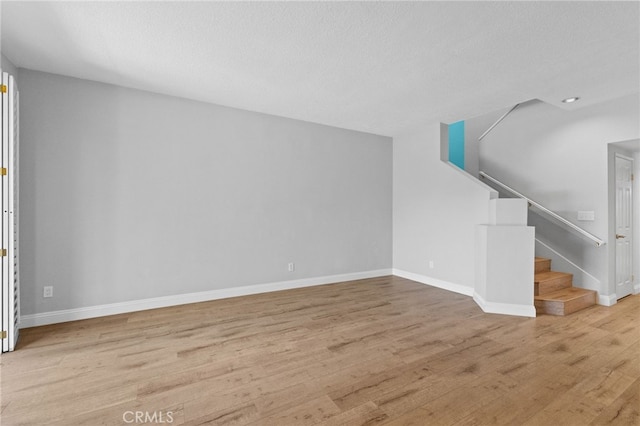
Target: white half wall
504,263
436,208
128,195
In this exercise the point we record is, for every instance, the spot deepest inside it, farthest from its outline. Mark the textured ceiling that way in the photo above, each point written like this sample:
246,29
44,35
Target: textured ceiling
378,67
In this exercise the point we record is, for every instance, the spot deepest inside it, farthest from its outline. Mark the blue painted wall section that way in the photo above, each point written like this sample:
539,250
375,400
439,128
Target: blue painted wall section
456,144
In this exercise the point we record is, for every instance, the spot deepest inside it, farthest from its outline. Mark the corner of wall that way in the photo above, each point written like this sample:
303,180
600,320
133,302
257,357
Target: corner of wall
8,66
504,308
444,142
607,300
434,282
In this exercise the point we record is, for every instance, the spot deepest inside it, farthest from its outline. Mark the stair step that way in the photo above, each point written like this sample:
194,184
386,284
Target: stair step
550,281
565,301
542,264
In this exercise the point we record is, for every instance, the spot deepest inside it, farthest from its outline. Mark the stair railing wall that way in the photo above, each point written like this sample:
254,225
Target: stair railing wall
548,213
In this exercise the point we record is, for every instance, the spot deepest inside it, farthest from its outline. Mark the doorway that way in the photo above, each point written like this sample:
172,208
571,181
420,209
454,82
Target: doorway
624,218
623,225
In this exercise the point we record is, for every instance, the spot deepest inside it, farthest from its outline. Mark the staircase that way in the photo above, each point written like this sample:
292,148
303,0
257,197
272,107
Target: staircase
554,293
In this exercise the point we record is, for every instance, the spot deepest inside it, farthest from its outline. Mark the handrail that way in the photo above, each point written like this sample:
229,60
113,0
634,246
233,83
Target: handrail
498,122
540,207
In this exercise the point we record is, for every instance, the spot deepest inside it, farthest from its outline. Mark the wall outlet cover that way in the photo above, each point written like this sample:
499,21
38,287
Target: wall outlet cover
587,215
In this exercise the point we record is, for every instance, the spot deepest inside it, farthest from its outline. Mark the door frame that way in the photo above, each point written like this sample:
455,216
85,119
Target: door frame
627,149
10,323
618,156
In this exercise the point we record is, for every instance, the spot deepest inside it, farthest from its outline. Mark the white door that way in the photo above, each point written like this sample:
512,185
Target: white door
9,200
624,220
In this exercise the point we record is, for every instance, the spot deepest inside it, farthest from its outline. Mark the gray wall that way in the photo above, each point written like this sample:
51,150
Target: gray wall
559,159
436,208
129,195
7,66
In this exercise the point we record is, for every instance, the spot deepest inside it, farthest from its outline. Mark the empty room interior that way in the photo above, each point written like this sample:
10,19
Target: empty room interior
320,213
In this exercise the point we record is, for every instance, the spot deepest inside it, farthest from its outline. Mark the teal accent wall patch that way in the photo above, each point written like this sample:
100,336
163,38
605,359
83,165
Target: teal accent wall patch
456,144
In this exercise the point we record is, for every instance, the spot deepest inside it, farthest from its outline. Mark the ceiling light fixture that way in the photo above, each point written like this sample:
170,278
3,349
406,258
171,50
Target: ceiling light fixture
570,100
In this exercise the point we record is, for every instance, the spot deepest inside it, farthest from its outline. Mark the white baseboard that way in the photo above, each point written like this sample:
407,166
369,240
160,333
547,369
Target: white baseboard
607,300
636,288
504,308
445,285
181,299
489,307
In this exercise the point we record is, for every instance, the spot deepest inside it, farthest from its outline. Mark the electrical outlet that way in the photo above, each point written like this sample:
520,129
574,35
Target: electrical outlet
47,291
431,264
291,267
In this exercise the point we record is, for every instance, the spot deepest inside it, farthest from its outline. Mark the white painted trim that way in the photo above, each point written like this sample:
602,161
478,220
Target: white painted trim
504,308
624,157
636,288
488,307
435,282
609,300
54,317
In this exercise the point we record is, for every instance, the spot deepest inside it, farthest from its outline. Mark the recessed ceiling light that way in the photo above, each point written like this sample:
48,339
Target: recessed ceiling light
570,100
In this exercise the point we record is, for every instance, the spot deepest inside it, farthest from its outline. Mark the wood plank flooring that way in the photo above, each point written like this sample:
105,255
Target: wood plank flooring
379,351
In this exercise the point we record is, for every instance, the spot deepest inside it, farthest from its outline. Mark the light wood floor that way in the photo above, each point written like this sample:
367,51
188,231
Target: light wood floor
380,351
